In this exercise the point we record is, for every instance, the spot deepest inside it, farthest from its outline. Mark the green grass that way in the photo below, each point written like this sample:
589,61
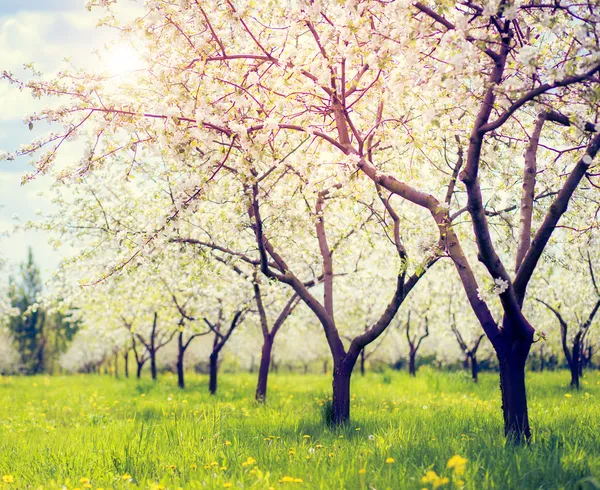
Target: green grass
54,432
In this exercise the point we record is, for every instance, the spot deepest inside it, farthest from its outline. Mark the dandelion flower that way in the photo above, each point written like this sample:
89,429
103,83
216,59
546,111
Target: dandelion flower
389,460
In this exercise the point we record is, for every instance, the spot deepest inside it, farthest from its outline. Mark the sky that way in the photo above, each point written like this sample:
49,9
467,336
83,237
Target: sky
43,32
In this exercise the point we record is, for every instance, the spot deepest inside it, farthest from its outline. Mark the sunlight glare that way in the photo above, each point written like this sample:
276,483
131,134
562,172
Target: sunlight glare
122,59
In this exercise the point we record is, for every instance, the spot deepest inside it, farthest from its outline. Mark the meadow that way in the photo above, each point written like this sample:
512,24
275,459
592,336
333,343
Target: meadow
92,431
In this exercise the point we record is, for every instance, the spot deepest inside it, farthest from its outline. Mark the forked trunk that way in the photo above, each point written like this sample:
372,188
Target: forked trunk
340,410
263,370
213,371
514,396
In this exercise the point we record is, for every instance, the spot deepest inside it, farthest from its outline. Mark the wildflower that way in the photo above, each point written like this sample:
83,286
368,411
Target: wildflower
227,484
305,436
193,467
249,462
228,443
289,479
292,452
458,463
434,479
362,471
8,479
84,480
223,468
172,467
568,395
371,437
389,460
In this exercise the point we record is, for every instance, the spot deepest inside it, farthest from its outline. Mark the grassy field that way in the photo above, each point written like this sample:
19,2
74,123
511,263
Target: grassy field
98,432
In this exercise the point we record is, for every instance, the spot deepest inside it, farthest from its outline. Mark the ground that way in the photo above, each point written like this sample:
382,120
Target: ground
97,432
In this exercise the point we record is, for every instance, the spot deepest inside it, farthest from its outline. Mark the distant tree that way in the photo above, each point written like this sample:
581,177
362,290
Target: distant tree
27,328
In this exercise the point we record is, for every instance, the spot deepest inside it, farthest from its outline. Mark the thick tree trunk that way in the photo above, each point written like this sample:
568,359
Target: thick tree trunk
126,359
139,370
412,367
340,413
153,364
474,368
213,371
514,396
263,370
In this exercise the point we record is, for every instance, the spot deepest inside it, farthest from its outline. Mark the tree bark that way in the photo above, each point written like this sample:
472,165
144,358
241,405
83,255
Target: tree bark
263,370
474,368
514,396
140,365
126,359
412,368
575,364
362,362
180,355
340,413
153,364
213,371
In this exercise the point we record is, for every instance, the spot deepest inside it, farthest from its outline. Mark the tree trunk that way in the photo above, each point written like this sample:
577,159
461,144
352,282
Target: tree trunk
474,368
514,396
466,362
126,359
213,368
153,364
263,370
362,362
180,355
140,365
116,364
412,368
340,413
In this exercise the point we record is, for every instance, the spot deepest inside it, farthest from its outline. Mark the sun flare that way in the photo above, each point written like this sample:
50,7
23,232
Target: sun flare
122,59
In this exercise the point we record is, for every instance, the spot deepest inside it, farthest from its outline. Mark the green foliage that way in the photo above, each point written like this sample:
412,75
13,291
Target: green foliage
27,327
123,434
39,336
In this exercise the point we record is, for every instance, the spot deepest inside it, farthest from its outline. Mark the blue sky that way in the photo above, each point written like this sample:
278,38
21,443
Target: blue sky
43,32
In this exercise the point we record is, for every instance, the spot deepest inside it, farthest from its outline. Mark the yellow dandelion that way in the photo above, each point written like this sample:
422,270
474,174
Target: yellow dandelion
458,463
568,395
8,479
390,460
249,462
126,476
362,471
84,480
227,484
